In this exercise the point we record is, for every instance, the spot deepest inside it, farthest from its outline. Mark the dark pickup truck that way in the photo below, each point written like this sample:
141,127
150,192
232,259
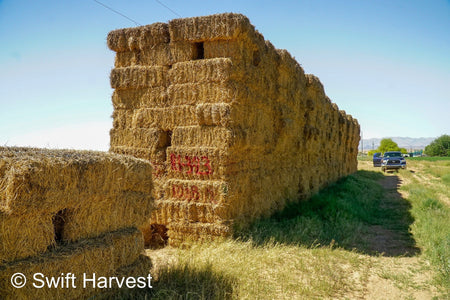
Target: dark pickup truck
393,160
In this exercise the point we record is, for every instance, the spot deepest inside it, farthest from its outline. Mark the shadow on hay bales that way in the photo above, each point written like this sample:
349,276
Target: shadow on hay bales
362,212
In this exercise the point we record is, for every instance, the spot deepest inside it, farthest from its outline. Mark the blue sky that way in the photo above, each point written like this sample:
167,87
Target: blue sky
387,63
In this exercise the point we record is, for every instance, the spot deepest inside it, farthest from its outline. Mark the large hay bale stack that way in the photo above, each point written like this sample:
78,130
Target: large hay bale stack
70,211
233,126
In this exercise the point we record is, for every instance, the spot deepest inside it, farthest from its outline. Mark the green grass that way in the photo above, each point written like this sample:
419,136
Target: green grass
342,215
432,217
429,158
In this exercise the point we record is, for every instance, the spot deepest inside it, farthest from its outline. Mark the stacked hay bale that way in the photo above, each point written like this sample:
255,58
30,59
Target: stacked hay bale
232,125
70,212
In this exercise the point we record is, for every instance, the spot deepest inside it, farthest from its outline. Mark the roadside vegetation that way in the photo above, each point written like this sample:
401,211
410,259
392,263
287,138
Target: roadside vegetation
428,190
367,236
439,147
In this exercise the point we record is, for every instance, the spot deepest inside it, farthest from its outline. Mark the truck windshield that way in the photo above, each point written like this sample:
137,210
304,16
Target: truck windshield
392,154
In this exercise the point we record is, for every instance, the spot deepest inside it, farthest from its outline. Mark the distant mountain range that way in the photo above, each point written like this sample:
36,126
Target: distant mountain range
403,142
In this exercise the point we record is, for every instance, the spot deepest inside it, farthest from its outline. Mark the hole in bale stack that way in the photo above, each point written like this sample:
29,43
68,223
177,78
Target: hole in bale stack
167,138
156,237
59,220
166,141
199,51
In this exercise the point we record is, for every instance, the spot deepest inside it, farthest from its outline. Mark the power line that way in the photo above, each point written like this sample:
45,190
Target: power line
119,13
168,8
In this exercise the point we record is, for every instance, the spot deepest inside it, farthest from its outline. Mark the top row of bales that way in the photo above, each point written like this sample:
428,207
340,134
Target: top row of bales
234,127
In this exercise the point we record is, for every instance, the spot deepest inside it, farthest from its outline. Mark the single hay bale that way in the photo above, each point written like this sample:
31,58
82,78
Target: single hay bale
151,138
204,136
197,92
205,163
157,55
164,118
214,27
40,180
191,212
213,114
236,49
205,70
140,98
183,51
139,77
124,210
106,255
25,235
138,38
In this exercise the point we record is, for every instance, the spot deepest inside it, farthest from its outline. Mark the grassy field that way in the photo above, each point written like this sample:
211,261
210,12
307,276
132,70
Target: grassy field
369,236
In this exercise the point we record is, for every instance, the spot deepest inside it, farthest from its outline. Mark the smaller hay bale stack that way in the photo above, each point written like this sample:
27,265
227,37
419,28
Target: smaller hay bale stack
233,126
70,211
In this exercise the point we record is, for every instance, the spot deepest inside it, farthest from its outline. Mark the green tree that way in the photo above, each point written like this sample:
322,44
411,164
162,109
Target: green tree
388,145
439,147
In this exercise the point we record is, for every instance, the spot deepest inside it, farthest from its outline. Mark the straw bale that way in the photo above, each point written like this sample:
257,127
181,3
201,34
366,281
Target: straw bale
151,138
197,191
164,118
213,27
179,211
40,180
183,51
139,77
138,38
196,93
146,118
204,70
159,216
157,55
103,255
24,235
90,220
203,136
139,98
235,49
213,114
204,163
